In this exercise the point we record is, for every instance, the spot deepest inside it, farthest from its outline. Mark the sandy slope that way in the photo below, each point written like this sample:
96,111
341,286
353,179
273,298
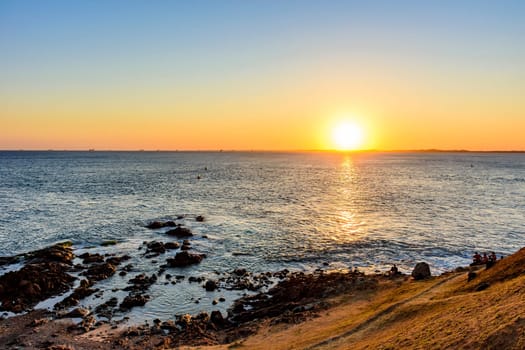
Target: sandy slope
444,312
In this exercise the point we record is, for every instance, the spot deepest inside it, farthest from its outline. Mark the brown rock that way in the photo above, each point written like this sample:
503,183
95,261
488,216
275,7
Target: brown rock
184,259
179,231
421,271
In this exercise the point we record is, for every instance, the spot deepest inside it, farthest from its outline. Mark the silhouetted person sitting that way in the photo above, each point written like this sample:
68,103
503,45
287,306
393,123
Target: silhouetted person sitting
485,258
394,271
476,259
491,260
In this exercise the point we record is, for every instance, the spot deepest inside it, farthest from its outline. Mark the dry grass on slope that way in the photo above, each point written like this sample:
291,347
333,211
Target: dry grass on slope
445,312
455,315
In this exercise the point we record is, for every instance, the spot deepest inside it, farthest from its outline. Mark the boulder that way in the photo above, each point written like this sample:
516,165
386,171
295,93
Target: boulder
171,245
156,247
180,231
210,285
22,289
184,259
217,319
100,272
421,271
133,300
160,224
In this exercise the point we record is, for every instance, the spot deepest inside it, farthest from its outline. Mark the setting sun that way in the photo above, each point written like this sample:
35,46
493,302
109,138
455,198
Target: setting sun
347,136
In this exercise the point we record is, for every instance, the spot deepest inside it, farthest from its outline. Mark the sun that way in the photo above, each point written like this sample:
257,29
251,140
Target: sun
347,136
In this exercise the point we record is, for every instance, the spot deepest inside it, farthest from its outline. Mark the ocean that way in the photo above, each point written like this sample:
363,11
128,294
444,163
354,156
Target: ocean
266,211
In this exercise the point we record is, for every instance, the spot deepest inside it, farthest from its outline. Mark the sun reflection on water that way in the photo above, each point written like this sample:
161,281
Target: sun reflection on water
342,207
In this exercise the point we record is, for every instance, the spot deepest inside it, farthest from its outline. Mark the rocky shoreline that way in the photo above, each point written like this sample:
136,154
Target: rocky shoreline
282,297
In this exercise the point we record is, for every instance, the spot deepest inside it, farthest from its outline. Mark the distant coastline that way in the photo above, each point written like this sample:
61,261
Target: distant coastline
268,151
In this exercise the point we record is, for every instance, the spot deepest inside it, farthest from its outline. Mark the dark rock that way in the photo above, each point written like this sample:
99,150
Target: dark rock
421,271
106,309
179,231
79,312
78,294
298,290
171,245
155,225
156,247
210,285
100,272
184,259
133,300
37,281
185,247
141,283
240,272
91,258
60,252
482,286
199,218
471,275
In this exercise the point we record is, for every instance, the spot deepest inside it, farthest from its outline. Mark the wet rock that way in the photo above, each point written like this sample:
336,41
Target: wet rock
169,325
184,320
78,294
179,232
87,324
91,258
100,271
7,260
141,283
116,260
217,319
297,290
240,272
134,300
156,247
421,271
171,245
210,285
60,252
79,312
106,309
184,259
160,224
35,282
199,218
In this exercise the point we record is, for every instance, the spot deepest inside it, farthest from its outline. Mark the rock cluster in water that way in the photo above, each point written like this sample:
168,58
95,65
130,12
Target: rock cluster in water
282,296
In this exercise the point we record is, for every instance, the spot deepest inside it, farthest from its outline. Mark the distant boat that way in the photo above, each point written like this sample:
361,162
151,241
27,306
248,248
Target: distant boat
91,150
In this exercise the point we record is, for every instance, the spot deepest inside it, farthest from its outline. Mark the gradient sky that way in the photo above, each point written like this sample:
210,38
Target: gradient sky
273,75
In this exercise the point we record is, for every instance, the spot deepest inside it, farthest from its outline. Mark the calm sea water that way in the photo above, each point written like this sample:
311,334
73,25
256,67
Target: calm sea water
269,211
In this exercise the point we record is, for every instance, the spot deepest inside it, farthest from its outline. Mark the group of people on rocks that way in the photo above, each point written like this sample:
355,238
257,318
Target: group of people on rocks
484,259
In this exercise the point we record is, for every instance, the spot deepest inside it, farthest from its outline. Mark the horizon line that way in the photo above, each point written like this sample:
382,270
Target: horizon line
425,150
